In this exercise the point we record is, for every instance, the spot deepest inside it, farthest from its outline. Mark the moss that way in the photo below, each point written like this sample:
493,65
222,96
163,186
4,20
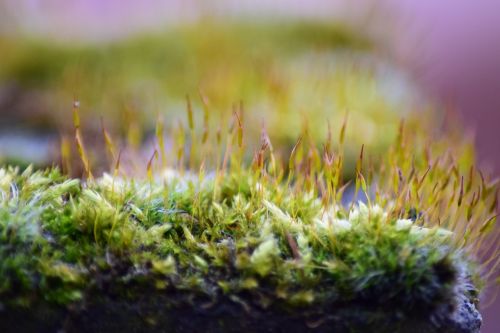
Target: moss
264,238
60,236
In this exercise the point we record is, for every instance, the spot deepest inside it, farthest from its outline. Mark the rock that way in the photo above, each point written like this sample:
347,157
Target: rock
154,312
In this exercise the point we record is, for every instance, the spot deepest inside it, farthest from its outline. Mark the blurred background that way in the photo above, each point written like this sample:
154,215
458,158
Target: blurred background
290,63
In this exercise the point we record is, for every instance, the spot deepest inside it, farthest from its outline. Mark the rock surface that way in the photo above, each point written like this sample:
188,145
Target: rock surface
151,314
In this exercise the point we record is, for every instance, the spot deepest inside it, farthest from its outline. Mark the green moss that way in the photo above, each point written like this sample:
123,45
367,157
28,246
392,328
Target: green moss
271,237
59,237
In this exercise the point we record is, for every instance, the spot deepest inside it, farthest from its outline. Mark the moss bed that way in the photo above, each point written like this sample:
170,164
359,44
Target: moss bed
181,254
267,246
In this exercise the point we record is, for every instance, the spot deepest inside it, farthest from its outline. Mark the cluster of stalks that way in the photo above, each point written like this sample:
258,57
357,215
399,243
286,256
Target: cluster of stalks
428,178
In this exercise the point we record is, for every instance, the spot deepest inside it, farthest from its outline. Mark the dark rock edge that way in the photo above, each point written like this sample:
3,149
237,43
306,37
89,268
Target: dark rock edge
155,312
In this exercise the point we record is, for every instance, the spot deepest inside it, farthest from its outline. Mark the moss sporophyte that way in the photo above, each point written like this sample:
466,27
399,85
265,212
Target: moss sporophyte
408,239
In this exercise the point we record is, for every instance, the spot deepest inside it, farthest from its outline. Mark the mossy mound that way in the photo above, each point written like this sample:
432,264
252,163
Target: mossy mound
179,251
268,246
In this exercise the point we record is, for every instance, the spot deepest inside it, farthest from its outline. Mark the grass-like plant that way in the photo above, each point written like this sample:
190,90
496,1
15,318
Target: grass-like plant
206,241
